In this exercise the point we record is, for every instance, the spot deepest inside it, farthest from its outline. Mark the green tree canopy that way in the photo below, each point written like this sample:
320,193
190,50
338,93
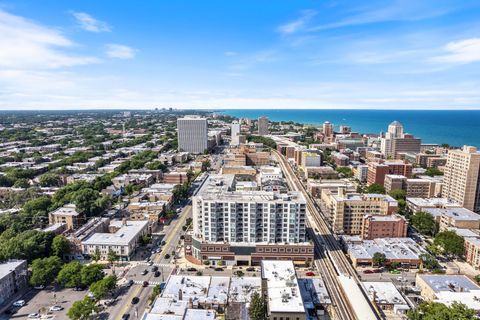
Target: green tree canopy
379,258
375,188
70,275
83,309
104,287
439,311
60,246
433,172
45,270
345,171
91,273
450,242
49,180
424,223
258,307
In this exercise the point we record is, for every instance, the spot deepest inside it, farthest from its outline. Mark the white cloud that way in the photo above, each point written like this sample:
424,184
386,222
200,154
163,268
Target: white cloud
296,25
25,44
462,51
119,51
89,23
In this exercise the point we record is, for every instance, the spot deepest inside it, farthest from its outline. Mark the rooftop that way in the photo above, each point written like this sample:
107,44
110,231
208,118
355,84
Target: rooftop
282,286
393,248
449,283
454,213
7,267
123,236
385,293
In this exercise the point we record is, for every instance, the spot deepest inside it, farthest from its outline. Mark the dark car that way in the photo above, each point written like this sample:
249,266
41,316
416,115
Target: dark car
135,300
191,269
145,284
368,271
163,242
126,316
218,269
154,268
156,274
79,288
250,269
144,272
130,283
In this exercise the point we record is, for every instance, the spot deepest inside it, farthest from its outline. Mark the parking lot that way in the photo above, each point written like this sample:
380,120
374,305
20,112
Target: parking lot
39,301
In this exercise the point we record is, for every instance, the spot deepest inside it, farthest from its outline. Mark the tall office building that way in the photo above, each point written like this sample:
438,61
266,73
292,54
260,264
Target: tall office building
396,141
192,134
461,180
235,129
263,126
327,129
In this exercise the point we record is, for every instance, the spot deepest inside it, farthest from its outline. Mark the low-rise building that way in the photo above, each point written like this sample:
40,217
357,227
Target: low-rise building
420,204
390,226
68,215
386,297
283,293
13,279
123,239
455,217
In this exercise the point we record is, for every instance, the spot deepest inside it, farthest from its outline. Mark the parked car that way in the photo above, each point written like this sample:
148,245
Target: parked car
33,316
163,242
368,271
309,274
19,303
250,269
218,269
40,287
191,269
130,283
135,300
56,308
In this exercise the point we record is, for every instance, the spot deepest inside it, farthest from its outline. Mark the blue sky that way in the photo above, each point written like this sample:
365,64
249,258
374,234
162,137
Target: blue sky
83,54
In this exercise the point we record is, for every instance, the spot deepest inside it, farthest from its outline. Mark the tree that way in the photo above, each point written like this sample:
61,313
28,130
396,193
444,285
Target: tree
258,307
85,201
155,293
398,194
375,188
345,171
433,172
477,278
96,255
424,223
70,275
450,242
45,270
82,310
102,288
49,180
91,273
205,165
112,256
436,310
379,258
60,246
429,261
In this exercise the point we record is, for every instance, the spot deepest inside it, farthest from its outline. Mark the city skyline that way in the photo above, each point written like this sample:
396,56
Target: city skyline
209,55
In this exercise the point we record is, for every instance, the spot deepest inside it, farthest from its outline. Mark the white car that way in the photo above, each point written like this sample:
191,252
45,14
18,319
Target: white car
56,308
33,316
19,303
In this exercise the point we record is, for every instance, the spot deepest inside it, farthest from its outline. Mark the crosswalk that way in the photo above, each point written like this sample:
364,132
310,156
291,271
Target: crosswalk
150,283
163,265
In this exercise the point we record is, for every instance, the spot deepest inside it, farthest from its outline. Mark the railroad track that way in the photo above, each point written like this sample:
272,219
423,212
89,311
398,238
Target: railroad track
331,259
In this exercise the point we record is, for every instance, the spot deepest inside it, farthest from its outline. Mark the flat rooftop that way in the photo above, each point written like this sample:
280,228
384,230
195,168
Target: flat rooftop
393,248
241,289
384,292
66,210
432,202
9,266
123,236
282,286
449,283
454,213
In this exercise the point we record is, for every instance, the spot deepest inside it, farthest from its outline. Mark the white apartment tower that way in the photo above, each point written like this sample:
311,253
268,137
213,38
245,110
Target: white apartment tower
220,215
192,134
235,129
461,180
263,126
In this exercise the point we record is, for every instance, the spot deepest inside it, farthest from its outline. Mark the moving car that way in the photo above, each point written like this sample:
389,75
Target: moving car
144,272
145,284
126,316
154,268
130,283
156,274
33,316
135,300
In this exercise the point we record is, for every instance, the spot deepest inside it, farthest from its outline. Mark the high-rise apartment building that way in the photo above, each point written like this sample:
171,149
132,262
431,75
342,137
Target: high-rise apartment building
246,220
327,129
263,126
461,180
235,129
396,141
192,134
378,170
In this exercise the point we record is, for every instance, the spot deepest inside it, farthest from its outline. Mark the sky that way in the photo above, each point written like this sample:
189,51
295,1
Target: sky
258,54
